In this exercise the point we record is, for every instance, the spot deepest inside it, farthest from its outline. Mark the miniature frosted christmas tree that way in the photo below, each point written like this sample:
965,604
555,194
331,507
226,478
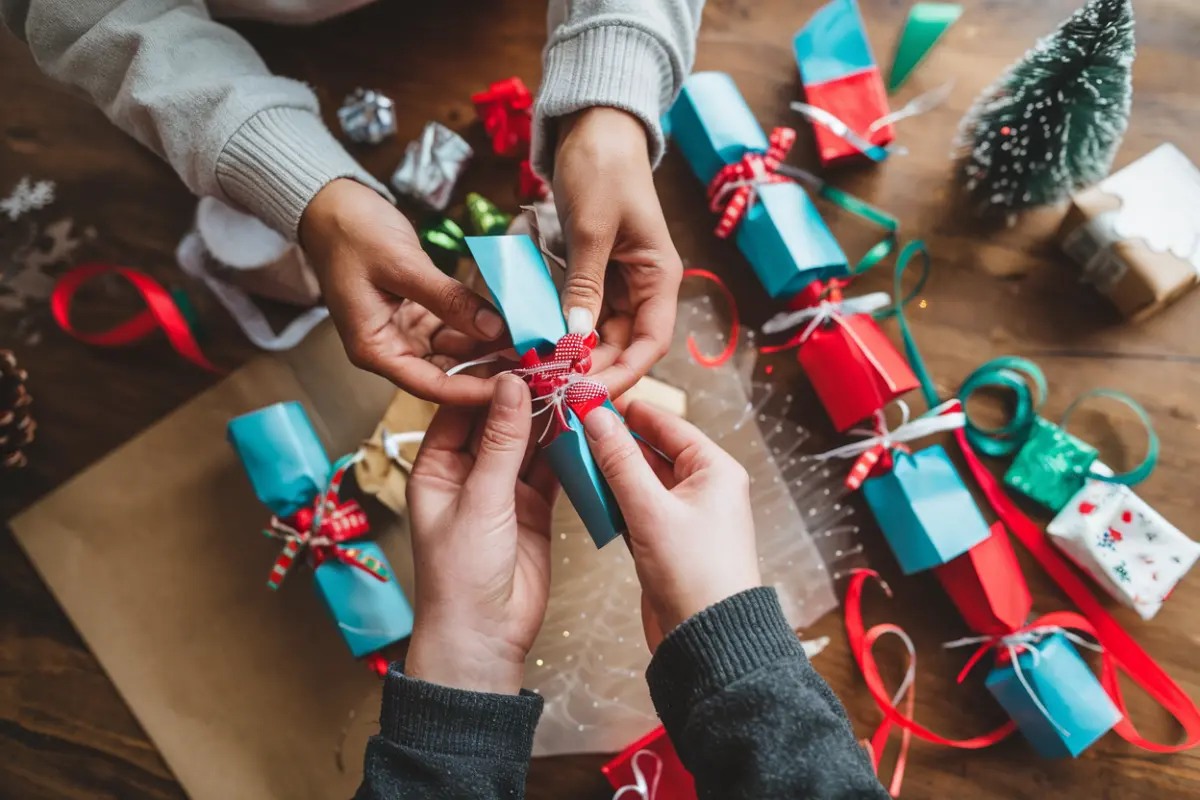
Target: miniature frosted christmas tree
1053,121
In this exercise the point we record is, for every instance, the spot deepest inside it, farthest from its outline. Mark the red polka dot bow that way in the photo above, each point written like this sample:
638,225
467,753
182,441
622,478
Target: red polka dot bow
560,382
733,190
322,529
506,111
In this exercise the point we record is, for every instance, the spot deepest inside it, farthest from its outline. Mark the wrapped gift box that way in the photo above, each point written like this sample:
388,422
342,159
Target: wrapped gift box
521,286
1051,466
1137,235
1130,549
782,235
925,511
987,586
841,77
287,466
650,768
1075,710
854,368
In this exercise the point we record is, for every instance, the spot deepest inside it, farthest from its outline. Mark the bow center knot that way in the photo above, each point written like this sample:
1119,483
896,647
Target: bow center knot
561,381
733,190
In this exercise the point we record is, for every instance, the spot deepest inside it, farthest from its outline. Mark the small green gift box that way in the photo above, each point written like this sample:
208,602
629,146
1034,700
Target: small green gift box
1052,466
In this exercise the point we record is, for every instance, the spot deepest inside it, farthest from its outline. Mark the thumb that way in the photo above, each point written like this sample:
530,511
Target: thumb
588,250
502,442
633,482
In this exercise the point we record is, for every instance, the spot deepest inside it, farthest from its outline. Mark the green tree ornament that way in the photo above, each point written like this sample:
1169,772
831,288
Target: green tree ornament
1053,121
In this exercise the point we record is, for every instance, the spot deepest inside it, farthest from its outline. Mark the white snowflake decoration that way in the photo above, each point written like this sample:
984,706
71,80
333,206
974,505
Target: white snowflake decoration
27,196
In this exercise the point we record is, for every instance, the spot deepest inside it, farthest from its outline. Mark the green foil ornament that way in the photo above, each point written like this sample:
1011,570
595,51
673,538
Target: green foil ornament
484,218
445,243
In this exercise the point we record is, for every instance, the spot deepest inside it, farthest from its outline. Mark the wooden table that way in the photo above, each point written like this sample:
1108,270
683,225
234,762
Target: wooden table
64,732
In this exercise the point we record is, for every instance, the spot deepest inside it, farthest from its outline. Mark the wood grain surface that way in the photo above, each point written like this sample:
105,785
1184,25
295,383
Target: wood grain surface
64,732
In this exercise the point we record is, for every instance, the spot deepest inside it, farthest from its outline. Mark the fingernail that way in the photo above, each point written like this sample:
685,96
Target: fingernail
508,391
580,321
489,323
599,423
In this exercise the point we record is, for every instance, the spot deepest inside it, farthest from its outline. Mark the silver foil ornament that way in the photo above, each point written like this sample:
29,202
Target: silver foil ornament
431,166
368,116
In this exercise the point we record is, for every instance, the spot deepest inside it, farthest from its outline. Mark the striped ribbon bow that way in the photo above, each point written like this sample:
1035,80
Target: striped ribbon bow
881,441
561,381
322,529
733,191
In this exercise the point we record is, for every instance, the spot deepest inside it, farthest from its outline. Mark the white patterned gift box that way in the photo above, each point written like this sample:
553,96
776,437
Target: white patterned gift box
1125,545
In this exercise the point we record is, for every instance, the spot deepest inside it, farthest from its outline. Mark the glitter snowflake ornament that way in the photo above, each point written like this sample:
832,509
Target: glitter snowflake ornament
1053,121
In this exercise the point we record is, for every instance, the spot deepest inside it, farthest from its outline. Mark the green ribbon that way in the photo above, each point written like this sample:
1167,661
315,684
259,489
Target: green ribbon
189,314
856,206
926,24
1021,376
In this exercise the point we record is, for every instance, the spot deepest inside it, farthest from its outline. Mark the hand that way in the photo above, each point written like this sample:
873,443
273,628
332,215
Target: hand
609,210
481,544
691,531
368,260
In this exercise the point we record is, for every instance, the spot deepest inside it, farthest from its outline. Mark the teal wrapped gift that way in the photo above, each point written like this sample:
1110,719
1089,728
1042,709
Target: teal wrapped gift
778,227
291,475
554,363
925,511
1053,697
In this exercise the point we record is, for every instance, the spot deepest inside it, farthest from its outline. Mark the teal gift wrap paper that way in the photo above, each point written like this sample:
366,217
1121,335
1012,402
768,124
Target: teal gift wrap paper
521,286
782,235
924,509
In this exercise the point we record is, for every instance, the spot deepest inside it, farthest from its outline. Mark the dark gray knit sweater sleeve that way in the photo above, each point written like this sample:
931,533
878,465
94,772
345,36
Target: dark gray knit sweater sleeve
437,742
747,713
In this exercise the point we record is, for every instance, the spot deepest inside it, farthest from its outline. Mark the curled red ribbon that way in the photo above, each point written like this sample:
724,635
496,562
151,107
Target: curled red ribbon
734,325
732,189
161,312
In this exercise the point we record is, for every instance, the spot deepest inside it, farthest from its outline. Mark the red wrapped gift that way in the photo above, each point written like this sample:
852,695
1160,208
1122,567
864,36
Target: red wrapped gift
506,109
857,100
854,368
987,586
649,769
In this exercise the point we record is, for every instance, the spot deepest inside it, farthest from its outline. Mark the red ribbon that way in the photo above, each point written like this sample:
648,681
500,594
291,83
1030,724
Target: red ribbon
506,111
732,189
868,461
161,312
531,186
734,325
558,380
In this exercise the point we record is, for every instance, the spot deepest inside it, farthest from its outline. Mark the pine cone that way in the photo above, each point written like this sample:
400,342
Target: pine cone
16,423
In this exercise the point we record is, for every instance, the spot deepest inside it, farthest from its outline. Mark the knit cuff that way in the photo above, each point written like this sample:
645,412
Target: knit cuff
278,160
607,65
455,722
715,648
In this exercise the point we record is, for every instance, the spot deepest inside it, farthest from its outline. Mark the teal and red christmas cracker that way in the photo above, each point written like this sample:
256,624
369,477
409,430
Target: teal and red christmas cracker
775,224
843,85
921,504
1127,547
854,368
555,364
292,476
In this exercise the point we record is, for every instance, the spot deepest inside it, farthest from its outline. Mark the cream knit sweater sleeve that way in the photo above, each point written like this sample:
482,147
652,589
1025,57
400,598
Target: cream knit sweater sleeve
197,94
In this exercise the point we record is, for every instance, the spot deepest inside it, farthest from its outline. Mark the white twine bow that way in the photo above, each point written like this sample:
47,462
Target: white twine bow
643,788
1028,640
825,311
934,421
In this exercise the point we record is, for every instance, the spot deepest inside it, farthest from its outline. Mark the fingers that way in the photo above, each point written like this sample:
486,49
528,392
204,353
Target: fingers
449,430
654,292
456,305
588,247
427,381
503,441
619,458
541,478
679,440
